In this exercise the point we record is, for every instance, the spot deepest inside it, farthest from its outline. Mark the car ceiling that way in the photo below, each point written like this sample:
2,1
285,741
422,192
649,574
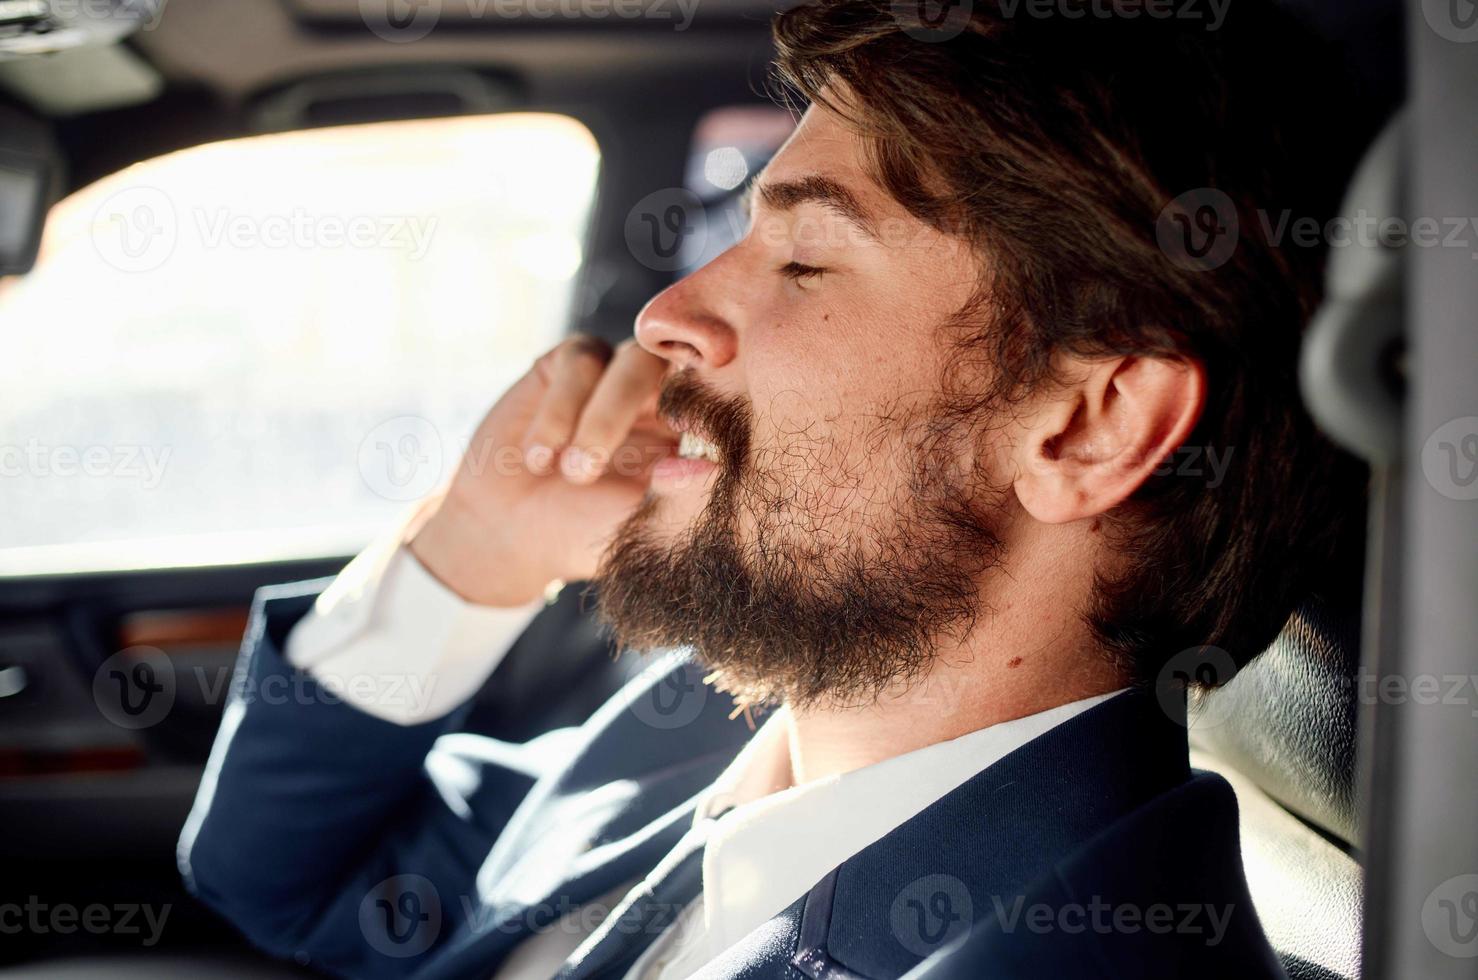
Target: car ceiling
238,47
203,68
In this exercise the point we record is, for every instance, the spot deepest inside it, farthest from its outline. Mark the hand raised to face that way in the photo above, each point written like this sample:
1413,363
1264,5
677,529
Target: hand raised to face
553,469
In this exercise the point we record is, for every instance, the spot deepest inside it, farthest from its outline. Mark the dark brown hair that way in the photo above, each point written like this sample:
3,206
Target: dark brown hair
1064,147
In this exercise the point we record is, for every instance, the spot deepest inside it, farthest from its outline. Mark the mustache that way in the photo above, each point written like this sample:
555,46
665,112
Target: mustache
689,404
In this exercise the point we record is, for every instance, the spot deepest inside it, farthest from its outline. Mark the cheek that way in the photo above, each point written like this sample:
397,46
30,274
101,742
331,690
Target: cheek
835,382
837,356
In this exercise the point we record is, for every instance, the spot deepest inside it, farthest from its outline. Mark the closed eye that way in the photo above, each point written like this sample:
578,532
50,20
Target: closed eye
797,272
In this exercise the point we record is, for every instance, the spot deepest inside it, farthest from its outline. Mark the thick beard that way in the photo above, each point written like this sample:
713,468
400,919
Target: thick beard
813,606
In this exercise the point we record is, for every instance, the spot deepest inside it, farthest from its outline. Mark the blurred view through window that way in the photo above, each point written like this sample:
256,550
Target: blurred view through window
264,348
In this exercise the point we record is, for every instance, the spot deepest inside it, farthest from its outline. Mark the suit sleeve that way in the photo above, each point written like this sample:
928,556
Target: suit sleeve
329,835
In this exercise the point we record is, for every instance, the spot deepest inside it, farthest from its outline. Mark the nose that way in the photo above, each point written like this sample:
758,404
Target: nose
677,325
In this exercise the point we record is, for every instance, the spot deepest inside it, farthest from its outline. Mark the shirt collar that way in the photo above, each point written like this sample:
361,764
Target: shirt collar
771,841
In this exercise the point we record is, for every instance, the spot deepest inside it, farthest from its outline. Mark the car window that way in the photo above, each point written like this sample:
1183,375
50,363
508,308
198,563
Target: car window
730,146
264,348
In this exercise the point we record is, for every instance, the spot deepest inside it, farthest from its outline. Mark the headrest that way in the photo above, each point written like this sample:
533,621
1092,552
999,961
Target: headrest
1287,720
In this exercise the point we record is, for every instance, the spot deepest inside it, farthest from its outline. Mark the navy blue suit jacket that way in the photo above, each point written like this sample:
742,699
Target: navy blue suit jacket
370,849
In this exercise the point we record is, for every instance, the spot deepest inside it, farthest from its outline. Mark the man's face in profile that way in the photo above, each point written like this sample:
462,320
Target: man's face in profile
831,528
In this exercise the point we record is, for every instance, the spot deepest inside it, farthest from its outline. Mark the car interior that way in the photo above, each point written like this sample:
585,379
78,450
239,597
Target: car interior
1352,807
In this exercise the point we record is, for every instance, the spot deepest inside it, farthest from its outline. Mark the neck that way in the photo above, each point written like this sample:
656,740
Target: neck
1028,654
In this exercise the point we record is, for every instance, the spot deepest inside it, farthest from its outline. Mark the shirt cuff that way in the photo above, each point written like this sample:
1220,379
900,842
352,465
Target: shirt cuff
394,642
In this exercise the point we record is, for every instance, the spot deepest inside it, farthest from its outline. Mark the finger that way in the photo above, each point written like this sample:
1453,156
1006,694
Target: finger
637,454
573,370
626,392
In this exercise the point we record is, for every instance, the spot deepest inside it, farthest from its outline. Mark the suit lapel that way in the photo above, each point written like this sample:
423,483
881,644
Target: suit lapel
624,801
928,882
643,915
963,859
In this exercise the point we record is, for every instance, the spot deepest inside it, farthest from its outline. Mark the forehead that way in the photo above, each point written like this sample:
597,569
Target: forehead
823,144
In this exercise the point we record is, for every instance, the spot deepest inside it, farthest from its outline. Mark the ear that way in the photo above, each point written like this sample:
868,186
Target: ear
1093,441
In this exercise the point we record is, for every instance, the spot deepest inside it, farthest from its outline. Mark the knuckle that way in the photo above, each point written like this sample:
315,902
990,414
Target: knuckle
584,347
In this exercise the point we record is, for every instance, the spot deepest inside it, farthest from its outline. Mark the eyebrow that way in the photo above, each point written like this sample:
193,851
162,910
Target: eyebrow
787,195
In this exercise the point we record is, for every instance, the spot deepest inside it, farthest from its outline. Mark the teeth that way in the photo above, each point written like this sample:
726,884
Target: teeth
690,446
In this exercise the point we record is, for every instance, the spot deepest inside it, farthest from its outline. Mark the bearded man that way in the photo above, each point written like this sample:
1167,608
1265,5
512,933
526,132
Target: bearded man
891,485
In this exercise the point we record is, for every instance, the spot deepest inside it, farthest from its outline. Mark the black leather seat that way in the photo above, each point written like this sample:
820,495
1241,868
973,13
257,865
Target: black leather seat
1282,732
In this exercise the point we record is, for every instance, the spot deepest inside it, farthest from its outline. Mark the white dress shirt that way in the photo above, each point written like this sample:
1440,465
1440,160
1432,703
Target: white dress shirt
401,646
